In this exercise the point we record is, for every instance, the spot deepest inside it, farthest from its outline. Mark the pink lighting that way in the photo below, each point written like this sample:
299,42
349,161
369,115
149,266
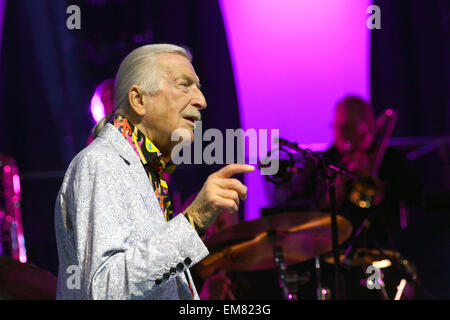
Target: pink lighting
292,61
2,13
97,107
22,250
102,102
12,214
16,183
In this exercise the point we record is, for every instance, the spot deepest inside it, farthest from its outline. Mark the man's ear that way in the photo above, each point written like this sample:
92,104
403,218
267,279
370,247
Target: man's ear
136,100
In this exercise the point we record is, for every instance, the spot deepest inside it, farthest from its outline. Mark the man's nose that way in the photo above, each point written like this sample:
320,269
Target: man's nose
199,100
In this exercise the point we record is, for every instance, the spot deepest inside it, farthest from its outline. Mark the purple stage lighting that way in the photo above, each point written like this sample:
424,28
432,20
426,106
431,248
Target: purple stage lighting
292,61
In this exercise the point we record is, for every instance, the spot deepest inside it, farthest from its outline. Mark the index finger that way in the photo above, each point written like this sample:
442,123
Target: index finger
232,169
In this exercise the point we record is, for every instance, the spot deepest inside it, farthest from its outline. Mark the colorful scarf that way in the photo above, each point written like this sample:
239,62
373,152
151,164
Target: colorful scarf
152,159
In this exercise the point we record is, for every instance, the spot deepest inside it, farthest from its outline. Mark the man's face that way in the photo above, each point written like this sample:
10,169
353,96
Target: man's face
177,104
352,132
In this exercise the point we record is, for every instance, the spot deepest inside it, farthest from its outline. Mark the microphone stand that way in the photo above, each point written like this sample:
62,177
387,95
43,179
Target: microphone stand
351,248
330,170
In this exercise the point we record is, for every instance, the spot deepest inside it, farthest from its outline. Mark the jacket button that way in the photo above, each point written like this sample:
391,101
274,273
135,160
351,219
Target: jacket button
180,266
158,281
166,275
173,271
187,261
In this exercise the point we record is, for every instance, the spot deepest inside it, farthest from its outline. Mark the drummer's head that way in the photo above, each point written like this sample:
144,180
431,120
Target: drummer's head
354,125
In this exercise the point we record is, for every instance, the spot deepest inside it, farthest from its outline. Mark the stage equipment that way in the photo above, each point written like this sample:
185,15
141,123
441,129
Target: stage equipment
273,242
367,191
327,169
12,242
398,276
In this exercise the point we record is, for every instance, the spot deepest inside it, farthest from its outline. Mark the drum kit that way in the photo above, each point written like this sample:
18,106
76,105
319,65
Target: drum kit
276,241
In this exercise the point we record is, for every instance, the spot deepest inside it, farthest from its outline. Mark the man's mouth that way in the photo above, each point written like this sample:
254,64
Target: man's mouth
191,119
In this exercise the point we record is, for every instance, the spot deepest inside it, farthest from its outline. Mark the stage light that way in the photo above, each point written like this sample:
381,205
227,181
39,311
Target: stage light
97,108
102,101
382,264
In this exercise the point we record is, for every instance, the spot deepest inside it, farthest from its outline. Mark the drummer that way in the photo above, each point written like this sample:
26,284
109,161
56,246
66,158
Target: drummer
354,148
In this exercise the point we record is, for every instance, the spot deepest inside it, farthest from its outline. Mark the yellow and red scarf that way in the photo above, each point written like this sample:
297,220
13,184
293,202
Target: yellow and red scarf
152,159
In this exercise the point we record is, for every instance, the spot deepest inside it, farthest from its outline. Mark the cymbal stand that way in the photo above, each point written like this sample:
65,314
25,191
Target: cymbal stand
282,273
322,293
329,169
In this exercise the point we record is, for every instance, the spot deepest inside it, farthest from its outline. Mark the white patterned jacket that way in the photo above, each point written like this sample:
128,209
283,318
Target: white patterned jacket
113,240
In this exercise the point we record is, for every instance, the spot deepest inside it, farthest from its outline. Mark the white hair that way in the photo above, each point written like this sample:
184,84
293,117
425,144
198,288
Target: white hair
140,67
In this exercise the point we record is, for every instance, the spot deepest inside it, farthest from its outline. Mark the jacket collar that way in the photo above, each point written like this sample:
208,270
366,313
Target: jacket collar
120,145
146,151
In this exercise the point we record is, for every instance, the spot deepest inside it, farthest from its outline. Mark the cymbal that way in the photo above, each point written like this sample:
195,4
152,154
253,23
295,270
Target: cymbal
248,246
366,256
23,281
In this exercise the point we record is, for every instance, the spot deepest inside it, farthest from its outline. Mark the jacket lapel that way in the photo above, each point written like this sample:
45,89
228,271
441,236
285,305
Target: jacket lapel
138,174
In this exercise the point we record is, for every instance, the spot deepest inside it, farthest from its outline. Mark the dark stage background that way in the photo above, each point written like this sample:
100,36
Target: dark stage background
410,69
48,75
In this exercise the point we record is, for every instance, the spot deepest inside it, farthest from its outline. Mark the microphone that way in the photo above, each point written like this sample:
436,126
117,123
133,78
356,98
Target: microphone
291,145
285,167
285,171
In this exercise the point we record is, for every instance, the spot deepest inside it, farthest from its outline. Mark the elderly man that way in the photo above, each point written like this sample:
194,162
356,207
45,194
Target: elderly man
116,234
